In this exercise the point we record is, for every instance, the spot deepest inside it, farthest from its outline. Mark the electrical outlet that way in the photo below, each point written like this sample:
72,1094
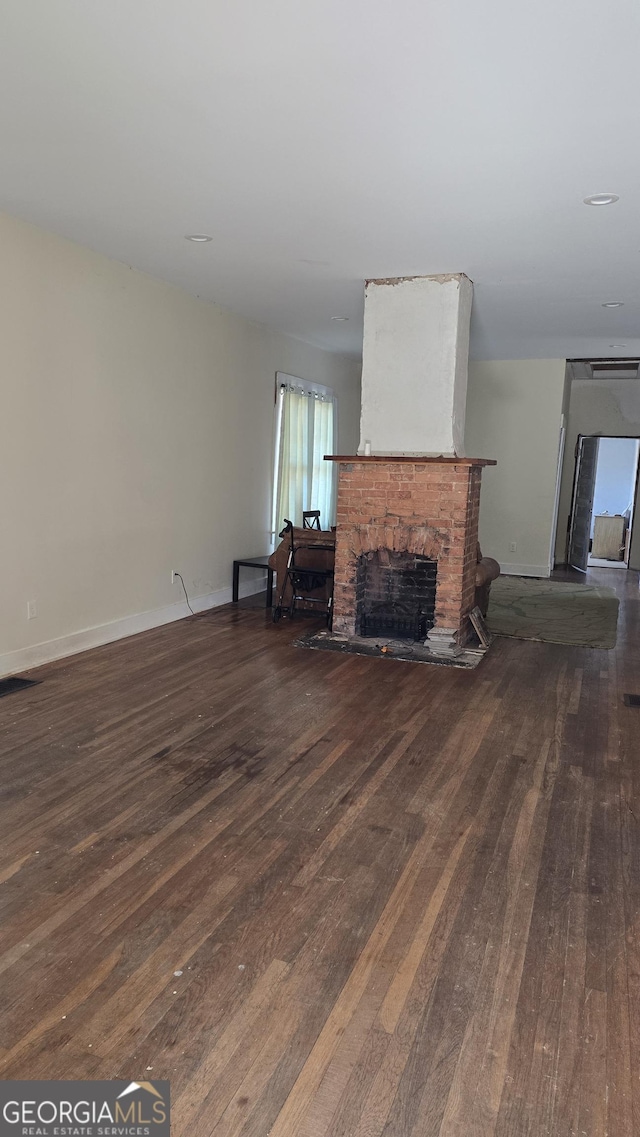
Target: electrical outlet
173,576
513,548
32,609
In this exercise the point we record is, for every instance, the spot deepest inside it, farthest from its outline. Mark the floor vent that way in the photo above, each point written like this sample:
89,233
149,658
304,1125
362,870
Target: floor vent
8,686
632,700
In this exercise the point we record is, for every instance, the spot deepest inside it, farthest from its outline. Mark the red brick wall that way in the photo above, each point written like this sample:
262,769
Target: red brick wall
427,508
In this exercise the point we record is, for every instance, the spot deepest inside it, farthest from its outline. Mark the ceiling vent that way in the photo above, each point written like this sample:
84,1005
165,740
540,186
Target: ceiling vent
604,368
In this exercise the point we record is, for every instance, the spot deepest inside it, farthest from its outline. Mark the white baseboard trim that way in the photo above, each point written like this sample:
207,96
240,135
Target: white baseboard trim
34,656
524,570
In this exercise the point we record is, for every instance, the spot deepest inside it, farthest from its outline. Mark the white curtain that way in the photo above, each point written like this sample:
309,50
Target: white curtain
304,434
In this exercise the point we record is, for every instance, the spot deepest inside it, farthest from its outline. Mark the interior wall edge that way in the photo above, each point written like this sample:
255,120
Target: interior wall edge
23,659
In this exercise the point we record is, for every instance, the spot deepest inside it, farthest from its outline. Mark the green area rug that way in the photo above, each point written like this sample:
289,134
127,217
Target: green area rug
550,610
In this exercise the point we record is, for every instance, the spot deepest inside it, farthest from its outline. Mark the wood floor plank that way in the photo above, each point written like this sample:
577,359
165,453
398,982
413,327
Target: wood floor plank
482,1063
329,895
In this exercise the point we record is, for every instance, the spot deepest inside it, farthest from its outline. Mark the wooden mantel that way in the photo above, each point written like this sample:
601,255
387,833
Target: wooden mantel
414,458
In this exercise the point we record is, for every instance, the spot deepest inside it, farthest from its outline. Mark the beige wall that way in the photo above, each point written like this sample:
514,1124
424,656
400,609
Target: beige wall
514,410
135,438
597,407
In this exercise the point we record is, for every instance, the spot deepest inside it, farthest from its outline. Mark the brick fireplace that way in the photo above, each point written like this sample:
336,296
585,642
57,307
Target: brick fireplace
408,527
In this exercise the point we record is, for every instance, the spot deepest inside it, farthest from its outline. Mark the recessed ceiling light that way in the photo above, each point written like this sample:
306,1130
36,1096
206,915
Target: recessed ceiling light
617,345
340,319
601,199
199,238
614,304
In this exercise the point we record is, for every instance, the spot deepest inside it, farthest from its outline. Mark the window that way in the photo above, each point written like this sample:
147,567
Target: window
305,432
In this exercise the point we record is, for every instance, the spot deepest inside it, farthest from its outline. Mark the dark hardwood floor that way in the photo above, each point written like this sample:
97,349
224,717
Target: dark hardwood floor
329,896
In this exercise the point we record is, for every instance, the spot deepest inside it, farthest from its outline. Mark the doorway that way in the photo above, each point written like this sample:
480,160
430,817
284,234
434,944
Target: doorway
602,509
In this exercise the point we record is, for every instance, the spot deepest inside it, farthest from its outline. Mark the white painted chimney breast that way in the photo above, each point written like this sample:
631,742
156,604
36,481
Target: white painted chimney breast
414,367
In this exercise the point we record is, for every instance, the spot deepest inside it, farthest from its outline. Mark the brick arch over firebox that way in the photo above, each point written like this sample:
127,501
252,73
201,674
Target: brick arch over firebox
400,537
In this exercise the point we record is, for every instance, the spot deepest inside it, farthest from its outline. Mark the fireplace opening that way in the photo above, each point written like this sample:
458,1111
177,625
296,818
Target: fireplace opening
395,595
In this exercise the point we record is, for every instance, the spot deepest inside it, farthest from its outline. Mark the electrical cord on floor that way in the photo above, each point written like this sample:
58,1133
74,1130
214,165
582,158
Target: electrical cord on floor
185,592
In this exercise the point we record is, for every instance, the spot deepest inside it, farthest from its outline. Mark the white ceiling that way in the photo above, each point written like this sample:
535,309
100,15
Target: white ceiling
321,142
